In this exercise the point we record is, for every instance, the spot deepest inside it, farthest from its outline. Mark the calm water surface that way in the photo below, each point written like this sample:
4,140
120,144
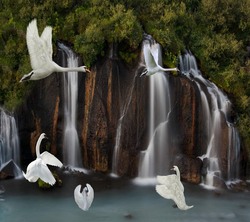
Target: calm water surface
116,200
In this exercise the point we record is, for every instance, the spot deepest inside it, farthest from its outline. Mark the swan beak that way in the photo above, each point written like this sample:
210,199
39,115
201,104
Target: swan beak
27,76
24,78
87,70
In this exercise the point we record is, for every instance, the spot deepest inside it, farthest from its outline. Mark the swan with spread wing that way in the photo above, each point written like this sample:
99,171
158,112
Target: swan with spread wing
40,51
38,168
151,57
171,188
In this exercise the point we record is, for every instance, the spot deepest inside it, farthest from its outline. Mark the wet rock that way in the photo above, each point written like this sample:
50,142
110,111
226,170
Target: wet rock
205,165
239,186
219,183
9,170
189,167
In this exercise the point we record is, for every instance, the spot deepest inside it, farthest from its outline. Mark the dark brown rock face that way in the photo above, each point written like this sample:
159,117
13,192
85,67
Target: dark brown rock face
106,94
190,168
37,115
102,96
190,136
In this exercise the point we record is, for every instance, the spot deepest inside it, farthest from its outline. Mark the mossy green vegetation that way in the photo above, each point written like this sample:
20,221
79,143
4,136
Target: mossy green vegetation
45,186
216,31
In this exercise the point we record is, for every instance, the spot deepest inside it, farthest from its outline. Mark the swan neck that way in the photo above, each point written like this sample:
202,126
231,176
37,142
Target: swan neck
178,174
38,143
69,69
168,69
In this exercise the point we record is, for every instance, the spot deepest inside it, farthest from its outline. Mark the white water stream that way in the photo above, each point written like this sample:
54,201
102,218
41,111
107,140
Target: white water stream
154,160
124,109
9,142
215,109
71,148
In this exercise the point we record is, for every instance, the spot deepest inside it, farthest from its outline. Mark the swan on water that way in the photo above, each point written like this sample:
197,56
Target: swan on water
38,168
85,198
171,188
151,57
40,51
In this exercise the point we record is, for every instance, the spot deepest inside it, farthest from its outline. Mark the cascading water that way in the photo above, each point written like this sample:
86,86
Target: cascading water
124,110
215,109
71,147
9,142
233,155
154,160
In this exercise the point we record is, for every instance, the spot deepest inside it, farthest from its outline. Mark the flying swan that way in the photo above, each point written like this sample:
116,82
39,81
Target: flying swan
151,57
40,51
171,188
85,198
38,168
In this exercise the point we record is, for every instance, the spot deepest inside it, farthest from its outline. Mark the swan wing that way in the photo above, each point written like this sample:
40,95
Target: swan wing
163,191
36,46
174,193
50,159
166,180
30,178
45,174
38,169
149,59
181,187
179,198
29,172
79,197
170,180
85,198
90,195
154,50
47,39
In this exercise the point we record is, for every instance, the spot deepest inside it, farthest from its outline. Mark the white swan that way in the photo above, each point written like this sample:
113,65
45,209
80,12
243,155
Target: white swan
85,198
171,188
151,56
38,168
40,51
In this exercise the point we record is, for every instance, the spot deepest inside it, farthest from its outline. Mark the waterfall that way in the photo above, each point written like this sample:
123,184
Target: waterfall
154,160
124,109
215,109
9,143
233,154
71,147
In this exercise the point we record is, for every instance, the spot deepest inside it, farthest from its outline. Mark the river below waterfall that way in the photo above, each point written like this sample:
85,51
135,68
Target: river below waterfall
116,200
